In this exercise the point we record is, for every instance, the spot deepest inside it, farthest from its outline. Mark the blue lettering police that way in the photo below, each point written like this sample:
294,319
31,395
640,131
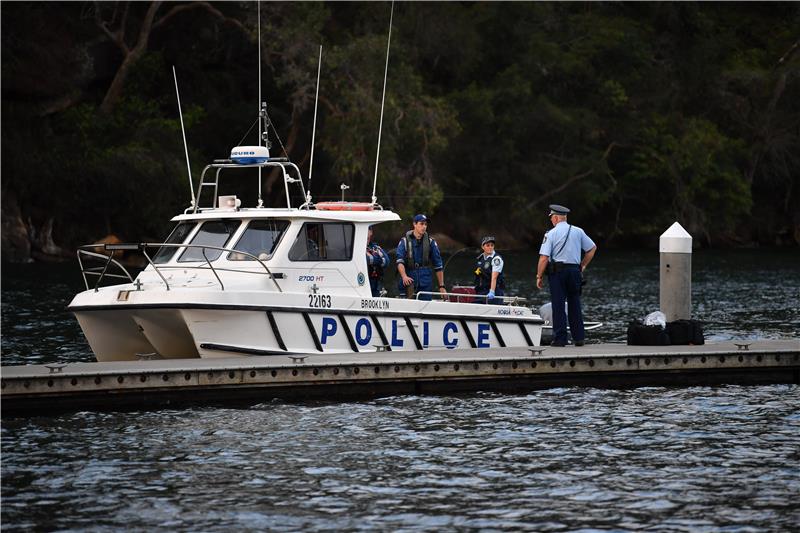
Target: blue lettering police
483,335
396,341
450,342
328,329
363,331
418,258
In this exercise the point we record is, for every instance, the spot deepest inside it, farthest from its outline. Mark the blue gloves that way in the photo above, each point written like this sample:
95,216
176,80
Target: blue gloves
490,295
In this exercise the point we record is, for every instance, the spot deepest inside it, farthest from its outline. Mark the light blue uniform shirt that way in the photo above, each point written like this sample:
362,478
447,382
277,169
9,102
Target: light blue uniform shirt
497,262
571,253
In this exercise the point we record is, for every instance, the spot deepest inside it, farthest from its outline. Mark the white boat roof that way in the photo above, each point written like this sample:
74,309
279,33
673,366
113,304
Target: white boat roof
371,217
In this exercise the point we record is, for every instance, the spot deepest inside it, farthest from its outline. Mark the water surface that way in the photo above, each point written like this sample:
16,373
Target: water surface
571,459
691,459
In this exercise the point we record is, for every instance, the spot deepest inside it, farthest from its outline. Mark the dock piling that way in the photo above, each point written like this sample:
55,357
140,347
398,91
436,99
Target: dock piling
675,287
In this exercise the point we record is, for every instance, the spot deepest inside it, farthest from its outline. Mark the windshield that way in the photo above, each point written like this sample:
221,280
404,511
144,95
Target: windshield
177,236
211,233
259,239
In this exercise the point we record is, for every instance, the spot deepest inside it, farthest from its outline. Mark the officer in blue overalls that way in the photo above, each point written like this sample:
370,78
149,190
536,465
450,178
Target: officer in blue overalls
560,258
417,258
489,279
377,261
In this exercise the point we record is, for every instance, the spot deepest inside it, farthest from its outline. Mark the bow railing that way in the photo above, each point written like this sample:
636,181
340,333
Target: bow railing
102,271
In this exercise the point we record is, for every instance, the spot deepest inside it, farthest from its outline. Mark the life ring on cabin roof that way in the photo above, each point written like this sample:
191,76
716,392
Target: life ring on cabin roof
344,206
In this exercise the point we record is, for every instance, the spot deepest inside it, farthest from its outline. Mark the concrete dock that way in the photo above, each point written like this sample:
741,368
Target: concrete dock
54,388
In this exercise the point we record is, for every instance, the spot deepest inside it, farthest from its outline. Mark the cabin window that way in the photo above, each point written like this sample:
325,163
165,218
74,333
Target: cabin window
211,233
326,241
259,239
177,236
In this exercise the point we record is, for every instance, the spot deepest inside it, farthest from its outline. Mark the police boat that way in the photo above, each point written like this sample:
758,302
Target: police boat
232,281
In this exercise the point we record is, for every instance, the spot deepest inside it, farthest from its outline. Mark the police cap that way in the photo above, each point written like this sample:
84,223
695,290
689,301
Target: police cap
556,209
420,218
486,239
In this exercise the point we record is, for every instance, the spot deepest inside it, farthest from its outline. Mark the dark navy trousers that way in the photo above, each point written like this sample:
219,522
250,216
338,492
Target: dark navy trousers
565,286
423,282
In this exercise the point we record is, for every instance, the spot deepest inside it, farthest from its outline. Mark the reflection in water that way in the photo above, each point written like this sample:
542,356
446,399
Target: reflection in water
689,459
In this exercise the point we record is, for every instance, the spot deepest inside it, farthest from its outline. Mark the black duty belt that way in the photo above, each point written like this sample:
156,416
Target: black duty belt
558,266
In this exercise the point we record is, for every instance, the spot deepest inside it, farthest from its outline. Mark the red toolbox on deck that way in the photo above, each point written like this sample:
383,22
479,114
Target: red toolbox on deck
464,289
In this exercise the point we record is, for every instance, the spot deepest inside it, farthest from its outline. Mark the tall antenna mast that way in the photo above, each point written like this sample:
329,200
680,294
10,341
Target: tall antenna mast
314,128
183,132
262,106
383,99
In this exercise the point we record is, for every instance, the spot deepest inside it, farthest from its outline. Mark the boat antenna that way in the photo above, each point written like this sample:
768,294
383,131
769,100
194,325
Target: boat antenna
262,111
314,129
183,132
383,99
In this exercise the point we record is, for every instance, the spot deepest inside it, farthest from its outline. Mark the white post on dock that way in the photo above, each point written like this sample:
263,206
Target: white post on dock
675,287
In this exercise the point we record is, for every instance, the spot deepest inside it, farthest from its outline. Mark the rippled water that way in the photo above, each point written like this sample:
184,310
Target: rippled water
660,459
694,459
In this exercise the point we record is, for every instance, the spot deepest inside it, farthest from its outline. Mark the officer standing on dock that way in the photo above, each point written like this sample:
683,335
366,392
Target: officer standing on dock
377,261
560,258
489,278
417,258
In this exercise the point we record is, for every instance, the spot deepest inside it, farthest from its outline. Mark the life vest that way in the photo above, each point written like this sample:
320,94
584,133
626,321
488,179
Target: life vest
483,274
426,251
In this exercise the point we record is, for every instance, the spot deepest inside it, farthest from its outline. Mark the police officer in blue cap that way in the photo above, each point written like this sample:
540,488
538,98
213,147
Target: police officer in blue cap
418,257
489,279
560,258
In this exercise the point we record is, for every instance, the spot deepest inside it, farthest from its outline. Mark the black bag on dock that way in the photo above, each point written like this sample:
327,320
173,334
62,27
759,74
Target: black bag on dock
685,332
641,335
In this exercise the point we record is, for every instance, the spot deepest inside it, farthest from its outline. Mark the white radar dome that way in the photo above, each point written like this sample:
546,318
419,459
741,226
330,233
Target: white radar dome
250,155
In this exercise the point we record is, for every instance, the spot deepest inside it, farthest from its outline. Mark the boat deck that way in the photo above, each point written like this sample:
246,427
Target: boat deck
57,387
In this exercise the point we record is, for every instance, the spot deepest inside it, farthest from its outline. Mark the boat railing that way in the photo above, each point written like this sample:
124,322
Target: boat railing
213,181
102,271
458,296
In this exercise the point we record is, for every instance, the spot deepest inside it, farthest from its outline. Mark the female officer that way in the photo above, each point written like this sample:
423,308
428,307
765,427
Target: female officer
489,278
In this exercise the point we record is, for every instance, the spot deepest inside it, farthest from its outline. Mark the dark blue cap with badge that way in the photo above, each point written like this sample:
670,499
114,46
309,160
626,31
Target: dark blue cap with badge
556,209
420,218
486,239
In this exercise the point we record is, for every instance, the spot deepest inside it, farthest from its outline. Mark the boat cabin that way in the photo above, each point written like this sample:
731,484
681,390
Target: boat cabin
300,249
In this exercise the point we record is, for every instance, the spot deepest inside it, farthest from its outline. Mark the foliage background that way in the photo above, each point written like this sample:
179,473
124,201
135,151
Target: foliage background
632,114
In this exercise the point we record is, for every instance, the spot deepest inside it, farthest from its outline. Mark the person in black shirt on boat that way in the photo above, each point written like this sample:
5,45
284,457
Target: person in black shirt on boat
489,279
377,261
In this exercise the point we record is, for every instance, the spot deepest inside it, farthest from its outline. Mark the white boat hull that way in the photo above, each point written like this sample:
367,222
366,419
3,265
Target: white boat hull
210,329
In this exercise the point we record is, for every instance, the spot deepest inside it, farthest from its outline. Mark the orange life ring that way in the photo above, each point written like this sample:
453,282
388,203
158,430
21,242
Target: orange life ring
344,206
